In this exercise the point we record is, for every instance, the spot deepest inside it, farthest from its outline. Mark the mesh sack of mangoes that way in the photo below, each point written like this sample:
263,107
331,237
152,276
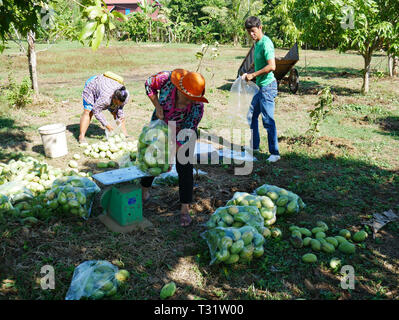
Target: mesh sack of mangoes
73,195
287,202
234,245
153,148
96,279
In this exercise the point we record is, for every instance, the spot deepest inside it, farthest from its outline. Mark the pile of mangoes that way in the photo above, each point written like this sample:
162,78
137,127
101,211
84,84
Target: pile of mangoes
318,240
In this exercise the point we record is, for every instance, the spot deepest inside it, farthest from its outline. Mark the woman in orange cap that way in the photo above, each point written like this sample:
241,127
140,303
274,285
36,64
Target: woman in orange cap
178,96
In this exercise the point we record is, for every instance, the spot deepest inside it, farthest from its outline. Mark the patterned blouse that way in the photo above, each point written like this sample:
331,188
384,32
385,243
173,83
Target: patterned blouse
98,92
187,118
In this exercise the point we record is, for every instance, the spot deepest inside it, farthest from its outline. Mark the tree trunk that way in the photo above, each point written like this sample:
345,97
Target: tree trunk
32,61
390,64
395,66
235,39
366,74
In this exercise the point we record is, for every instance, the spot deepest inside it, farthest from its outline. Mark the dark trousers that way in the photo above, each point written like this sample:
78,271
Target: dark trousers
186,182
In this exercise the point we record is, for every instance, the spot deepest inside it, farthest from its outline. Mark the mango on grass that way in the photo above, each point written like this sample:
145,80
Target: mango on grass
320,235
345,233
335,263
340,239
323,225
347,248
306,241
122,275
309,258
315,244
233,259
306,232
276,233
360,236
332,241
327,247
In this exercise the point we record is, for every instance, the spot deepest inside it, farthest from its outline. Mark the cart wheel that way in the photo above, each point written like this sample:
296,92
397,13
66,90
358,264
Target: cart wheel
293,80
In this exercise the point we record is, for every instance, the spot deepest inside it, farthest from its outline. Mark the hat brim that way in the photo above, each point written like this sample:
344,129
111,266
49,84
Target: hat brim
175,77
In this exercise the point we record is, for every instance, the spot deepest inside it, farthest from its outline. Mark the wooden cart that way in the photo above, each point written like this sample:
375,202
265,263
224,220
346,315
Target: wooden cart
284,66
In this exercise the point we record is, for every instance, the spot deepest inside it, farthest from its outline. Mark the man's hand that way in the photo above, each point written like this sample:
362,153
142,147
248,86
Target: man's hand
109,128
249,76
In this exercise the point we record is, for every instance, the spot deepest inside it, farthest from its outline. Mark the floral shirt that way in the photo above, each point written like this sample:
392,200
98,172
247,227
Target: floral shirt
187,118
98,92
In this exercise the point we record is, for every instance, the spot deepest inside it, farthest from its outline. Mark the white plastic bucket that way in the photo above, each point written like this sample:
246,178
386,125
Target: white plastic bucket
54,140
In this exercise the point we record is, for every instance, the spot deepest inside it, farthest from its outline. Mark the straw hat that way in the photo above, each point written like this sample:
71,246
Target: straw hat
191,84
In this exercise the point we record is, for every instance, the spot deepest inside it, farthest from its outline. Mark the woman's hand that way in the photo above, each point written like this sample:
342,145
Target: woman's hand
159,113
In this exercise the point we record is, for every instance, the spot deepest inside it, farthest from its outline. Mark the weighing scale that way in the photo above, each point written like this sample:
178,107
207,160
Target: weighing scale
122,199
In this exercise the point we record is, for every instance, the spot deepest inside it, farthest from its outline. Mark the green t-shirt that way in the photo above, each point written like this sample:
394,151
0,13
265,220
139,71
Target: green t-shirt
264,50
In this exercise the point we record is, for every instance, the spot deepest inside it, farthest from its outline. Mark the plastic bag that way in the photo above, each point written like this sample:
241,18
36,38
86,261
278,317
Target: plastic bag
266,206
234,245
287,202
93,279
72,195
237,217
16,191
117,129
241,95
153,149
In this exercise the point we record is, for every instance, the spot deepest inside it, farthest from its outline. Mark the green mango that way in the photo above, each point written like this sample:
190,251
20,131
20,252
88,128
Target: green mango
315,245
267,202
236,235
266,232
155,171
306,232
340,239
247,237
243,217
317,229
267,214
247,252
258,240
292,228
226,242
309,258
272,195
261,191
292,207
233,210
232,259
322,225
237,224
335,263
276,233
347,248
327,247
228,219
296,233
345,233
332,241
360,236
97,295
320,235
168,290
296,241
280,211
258,251
237,247
306,241
222,255
282,201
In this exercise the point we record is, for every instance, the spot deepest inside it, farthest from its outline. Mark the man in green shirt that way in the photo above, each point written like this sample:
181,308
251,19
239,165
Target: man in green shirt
263,101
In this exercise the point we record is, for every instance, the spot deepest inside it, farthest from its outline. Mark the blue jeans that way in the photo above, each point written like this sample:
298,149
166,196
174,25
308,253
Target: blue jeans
263,103
87,105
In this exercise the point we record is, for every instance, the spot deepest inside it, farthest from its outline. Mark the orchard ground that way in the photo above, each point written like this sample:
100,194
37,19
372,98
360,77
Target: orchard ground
347,175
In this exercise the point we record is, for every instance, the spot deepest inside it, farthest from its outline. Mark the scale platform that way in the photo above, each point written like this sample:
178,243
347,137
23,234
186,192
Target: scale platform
122,200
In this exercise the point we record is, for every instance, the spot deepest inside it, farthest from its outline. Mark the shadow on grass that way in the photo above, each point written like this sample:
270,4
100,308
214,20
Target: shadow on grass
329,72
390,125
338,190
93,131
12,135
227,86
